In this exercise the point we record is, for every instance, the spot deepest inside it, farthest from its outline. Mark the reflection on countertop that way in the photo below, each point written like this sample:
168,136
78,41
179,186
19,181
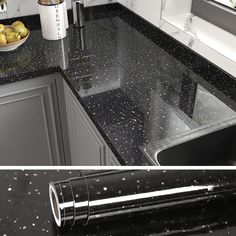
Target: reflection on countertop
137,85
138,93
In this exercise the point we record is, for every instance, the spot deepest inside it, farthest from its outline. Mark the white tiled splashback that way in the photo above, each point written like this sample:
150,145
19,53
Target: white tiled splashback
30,7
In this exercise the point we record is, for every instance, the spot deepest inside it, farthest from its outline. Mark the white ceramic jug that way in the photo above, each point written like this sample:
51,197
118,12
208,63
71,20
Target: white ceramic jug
53,22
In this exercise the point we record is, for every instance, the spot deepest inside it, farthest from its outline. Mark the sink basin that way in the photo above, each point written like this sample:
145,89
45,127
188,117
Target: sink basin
212,146
217,148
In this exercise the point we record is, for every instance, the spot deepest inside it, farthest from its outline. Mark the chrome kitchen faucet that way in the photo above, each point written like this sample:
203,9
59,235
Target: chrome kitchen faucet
78,13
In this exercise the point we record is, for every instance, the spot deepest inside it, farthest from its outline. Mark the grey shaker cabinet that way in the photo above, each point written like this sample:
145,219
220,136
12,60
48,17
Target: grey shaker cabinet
42,123
30,123
87,147
111,159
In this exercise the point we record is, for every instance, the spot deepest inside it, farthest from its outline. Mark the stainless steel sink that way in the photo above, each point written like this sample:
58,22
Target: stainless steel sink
207,146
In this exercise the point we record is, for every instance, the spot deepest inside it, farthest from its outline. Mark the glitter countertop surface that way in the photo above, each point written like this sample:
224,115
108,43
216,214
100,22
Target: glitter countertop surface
138,85
25,208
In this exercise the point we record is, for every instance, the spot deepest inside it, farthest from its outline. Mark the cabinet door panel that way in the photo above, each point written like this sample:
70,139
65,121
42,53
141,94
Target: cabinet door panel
114,161
86,146
111,160
28,134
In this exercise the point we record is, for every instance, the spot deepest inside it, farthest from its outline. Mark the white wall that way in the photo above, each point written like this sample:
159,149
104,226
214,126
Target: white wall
30,7
148,9
98,2
173,7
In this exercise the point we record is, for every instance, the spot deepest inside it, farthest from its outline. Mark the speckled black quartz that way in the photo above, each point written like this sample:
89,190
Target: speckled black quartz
25,208
137,84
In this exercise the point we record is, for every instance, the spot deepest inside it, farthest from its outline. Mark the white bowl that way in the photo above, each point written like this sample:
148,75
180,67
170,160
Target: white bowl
13,46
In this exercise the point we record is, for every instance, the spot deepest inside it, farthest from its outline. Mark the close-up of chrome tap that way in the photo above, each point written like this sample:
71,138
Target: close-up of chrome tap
78,13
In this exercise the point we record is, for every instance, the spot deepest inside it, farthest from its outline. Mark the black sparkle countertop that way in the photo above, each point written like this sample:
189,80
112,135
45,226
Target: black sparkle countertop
137,84
25,208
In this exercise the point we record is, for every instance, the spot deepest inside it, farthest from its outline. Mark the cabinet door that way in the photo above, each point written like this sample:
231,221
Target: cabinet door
28,134
111,160
86,145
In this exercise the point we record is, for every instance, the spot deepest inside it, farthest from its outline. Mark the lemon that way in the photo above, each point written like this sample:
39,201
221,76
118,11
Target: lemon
21,30
7,30
12,37
2,27
3,39
17,23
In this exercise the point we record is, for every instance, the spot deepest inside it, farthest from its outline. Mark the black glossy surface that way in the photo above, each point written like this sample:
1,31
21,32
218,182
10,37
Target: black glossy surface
137,84
25,208
216,148
118,194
